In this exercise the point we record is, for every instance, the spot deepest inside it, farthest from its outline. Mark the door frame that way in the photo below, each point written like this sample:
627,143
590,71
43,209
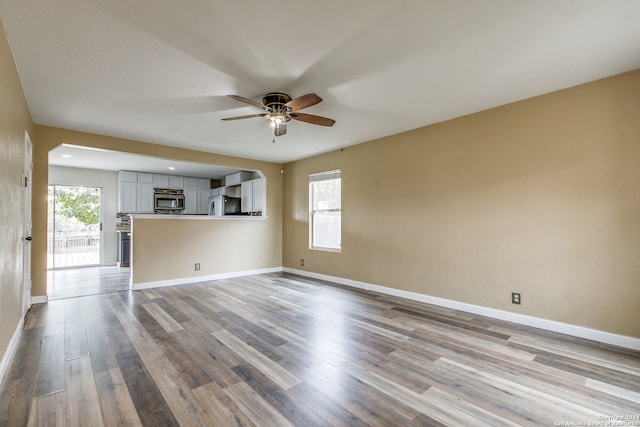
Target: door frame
27,203
100,262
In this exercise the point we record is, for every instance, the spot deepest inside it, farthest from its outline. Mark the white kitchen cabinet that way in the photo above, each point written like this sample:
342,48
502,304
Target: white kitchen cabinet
145,178
145,193
190,187
237,178
160,180
176,182
220,191
127,176
135,192
196,195
246,190
145,197
190,182
190,200
259,194
203,195
253,194
127,197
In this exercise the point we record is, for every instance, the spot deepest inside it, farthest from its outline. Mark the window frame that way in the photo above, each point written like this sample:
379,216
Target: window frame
315,178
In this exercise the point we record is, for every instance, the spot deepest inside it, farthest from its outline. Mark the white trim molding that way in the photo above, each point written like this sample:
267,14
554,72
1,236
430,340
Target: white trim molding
9,355
197,279
39,299
536,322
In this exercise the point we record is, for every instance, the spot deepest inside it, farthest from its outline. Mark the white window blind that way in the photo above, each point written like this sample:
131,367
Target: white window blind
325,210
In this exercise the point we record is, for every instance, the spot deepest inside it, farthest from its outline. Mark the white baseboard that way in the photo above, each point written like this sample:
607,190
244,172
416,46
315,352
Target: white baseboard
197,279
5,364
536,322
39,299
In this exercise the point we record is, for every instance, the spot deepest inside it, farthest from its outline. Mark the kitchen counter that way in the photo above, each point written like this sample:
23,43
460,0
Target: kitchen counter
199,217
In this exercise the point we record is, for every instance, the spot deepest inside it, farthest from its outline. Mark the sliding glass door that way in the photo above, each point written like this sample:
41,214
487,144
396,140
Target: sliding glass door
75,228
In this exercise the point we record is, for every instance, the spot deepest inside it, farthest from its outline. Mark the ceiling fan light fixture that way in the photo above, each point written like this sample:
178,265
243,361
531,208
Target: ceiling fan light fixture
282,109
280,129
278,119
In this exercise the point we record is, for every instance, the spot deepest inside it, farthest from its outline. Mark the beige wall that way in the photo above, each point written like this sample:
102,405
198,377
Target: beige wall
540,196
14,121
49,138
168,249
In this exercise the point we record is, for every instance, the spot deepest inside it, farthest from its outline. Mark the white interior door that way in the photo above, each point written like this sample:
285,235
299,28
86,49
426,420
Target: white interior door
27,190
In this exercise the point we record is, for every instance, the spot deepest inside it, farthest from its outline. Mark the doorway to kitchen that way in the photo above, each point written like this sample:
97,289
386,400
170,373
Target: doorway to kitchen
74,227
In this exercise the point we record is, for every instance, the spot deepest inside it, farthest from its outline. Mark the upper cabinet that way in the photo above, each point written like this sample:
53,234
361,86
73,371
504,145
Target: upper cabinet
190,182
253,194
145,178
145,193
169,181
127,197
203,194
176,182
237,178
135,192
196,195
160,181
219,191
128,176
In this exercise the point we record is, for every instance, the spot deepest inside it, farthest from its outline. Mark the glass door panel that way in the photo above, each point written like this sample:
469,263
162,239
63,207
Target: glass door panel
74,228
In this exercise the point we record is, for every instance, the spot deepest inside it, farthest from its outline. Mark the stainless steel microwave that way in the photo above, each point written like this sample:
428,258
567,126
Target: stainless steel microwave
168,200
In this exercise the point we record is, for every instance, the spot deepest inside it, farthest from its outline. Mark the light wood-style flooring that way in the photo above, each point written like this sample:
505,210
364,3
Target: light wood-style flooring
282,350
83,281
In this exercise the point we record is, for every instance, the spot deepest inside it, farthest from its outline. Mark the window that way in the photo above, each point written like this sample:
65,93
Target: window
325,211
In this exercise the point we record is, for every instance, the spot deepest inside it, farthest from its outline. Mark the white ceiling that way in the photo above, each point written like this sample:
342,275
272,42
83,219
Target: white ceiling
159,71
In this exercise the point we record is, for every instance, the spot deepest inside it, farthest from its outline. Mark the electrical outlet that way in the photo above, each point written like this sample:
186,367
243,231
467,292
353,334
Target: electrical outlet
302,261
197,266
515,298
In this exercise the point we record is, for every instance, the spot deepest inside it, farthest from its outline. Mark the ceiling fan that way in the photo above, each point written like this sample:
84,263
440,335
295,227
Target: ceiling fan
281,108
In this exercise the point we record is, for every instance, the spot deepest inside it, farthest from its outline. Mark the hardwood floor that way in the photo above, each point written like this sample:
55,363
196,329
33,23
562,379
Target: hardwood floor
281,350
83,281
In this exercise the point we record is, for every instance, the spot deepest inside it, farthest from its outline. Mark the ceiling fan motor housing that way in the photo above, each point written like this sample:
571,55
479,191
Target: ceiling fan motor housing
276,101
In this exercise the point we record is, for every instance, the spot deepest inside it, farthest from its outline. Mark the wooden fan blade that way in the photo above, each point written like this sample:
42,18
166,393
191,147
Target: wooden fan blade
303,101
248,101
244,117
310,118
